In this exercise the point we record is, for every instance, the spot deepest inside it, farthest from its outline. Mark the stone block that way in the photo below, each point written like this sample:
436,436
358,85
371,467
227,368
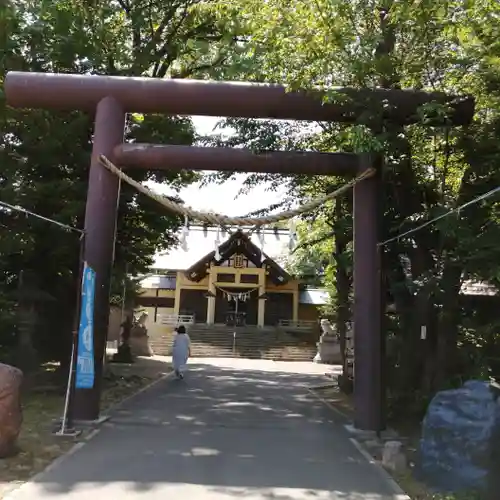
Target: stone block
393,457
10,408
328,354
458,433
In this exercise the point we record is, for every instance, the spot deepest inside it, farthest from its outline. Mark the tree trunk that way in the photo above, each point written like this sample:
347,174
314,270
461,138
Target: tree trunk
342,281
447,334
26,356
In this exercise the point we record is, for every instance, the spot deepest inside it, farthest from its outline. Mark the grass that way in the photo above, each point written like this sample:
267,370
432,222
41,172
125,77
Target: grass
43,404
36,444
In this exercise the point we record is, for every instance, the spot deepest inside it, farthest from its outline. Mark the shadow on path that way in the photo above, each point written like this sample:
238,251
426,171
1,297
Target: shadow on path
220,433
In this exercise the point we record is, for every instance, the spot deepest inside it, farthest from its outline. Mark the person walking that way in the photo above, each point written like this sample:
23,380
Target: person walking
181,351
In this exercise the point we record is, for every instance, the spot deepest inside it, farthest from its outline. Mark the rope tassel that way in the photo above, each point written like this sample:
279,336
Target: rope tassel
261,238
292,235
217,243
218,219
185,234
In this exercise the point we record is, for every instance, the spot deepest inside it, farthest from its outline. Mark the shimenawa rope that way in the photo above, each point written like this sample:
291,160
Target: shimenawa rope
218,219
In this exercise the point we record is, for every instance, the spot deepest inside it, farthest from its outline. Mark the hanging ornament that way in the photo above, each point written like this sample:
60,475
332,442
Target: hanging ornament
217,243
261,239
292,235
185,234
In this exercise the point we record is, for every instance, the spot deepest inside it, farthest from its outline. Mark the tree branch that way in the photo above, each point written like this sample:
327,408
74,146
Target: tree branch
313,242
186,73
125,6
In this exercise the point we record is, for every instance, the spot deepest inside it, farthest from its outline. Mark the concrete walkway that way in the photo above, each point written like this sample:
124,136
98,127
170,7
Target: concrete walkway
232,429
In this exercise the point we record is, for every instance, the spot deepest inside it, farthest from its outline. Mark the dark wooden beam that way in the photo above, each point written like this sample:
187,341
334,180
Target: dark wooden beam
156,157
232,99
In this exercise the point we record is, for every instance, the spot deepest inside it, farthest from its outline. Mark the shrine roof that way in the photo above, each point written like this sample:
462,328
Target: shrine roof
199,244
238,243
314,296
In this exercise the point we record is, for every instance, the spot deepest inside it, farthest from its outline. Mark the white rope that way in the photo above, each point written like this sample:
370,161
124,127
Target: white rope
234,294
22,210
455,210
218,219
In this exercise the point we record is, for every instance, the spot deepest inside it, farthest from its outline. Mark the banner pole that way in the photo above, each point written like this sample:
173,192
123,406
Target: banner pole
67,419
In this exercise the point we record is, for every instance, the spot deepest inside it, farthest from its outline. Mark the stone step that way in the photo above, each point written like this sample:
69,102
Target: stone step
206,335
251,342
248,342
273,353
157,348
204,345
238,335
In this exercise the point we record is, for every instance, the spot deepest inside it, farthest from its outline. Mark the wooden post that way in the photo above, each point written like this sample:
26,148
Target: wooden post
211,299
367,311
100,228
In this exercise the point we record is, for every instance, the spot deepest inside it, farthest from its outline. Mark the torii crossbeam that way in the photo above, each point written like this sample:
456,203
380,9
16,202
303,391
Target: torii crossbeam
111,97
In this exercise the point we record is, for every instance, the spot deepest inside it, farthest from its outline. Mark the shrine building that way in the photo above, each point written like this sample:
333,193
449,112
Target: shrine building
236,284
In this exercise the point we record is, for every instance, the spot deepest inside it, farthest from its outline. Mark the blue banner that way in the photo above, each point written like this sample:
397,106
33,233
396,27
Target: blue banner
85,353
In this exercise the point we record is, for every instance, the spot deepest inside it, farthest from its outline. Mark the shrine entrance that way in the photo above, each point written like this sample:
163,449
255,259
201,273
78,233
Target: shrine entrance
236,306
111,97
279,306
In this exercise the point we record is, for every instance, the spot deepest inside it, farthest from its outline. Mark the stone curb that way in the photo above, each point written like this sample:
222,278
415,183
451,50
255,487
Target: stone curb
120,403
398,491
328,404
11,493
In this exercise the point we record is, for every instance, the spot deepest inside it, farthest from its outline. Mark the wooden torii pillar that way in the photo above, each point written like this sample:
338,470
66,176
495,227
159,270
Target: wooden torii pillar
110,98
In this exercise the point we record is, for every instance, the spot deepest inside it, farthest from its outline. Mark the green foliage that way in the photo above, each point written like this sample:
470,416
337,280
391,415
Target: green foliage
45,155
452,47
312,262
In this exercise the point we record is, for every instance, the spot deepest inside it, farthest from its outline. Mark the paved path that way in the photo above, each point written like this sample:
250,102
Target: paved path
233,429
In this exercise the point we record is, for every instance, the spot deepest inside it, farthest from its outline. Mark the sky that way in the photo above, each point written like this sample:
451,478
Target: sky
221,198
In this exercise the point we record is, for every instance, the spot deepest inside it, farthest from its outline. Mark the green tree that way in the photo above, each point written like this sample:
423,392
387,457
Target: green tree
310,260
45,155
448,46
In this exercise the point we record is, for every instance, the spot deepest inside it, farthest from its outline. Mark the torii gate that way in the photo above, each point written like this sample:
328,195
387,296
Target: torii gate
110,98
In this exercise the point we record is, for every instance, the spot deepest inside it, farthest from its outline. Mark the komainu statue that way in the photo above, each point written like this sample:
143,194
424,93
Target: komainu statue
328,345
139,338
